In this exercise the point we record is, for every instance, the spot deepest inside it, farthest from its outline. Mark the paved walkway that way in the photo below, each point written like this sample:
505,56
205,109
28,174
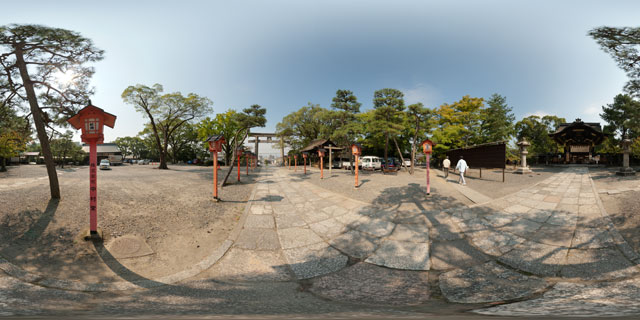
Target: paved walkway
511,248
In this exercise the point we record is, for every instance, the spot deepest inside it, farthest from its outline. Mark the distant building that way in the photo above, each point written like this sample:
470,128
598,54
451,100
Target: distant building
104,150
578,139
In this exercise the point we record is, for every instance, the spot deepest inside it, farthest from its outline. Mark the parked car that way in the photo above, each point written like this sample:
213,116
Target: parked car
104,164
145,161
407,162
371,163
394,164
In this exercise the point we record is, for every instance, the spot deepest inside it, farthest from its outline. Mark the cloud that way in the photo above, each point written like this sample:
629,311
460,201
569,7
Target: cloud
539,113
424,93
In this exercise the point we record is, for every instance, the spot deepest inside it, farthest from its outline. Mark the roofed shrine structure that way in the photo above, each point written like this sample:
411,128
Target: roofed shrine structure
578,139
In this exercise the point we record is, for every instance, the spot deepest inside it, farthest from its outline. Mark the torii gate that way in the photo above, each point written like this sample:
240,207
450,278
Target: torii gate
269,139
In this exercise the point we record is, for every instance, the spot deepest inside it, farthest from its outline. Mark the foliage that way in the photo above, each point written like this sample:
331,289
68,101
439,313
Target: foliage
309,123
635,148
458,124
536,130
32,58
346,107
224,124
184,144
623,45
388,105
64,149
622,117
419,123
497,121
165,112
14,134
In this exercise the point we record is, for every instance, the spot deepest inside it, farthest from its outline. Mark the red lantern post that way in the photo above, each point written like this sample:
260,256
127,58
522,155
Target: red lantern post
247,156
356,149
321,152
295,159
91,121
215,146
304,160
427,148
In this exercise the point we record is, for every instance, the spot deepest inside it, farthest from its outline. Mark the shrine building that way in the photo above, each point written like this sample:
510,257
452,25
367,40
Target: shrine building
579,140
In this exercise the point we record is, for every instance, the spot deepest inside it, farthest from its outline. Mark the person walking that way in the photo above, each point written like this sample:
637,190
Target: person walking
462,167
446,163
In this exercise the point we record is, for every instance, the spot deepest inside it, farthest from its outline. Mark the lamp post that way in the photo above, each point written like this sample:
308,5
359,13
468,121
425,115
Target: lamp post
321,152
356,149
215,146
304,160
91,121
427,148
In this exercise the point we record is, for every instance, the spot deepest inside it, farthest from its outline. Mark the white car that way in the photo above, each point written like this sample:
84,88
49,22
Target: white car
105,165
371,163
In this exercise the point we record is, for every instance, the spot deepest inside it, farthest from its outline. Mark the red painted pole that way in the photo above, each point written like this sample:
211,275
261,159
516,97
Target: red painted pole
295,159
215,175
356,171
247,164
93,187
238,167
321,168
428,181
304,160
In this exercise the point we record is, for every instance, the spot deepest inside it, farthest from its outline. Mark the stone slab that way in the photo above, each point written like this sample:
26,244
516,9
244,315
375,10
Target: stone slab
488,282
258,239
446,255
260,221
297,237
402,255
314,260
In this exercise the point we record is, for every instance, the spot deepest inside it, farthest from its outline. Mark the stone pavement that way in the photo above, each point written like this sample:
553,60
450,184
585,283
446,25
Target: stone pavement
549,249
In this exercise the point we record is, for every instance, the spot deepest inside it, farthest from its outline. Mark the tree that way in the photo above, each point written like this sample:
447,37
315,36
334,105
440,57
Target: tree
124,144
251,117
458,124
388,105
166,113
346,107
497,122
224,124
64,148
418,120
622,116
309,123
536,130
32,59
183,141
14,135
622,44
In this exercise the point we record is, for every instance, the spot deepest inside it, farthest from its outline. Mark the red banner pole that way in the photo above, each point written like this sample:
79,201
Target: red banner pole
238,168
93,187
428,181
296,164
215,175
305,165
356,171
321,168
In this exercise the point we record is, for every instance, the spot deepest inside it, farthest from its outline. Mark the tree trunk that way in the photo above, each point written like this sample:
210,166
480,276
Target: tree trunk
3,167
163,154
400,153
54,186
233,159
386,159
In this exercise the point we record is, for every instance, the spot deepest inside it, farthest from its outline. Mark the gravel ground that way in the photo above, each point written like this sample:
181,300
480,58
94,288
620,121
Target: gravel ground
387,190
623,208
171,210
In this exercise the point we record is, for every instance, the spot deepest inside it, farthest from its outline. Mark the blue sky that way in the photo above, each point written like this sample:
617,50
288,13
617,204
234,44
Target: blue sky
283,54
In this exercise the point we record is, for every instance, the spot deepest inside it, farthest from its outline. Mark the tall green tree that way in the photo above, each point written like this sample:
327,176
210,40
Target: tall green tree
459,124
183,141
498,120
64,149
388,105
623,44
345,109
308,123
32,60
622,116
225,124
252,117
536,130
14,135
418,119
165,112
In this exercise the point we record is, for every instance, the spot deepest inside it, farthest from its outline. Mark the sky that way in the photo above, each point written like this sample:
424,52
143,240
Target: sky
285,54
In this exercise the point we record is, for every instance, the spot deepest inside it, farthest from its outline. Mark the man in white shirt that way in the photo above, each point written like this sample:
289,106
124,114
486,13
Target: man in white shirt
462,167
446,163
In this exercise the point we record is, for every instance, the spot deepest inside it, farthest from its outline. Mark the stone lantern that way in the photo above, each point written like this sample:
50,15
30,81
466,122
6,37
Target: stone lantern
523,168
626,170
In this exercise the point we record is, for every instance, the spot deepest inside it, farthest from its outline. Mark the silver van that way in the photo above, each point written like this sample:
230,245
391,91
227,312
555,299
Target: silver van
371,163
